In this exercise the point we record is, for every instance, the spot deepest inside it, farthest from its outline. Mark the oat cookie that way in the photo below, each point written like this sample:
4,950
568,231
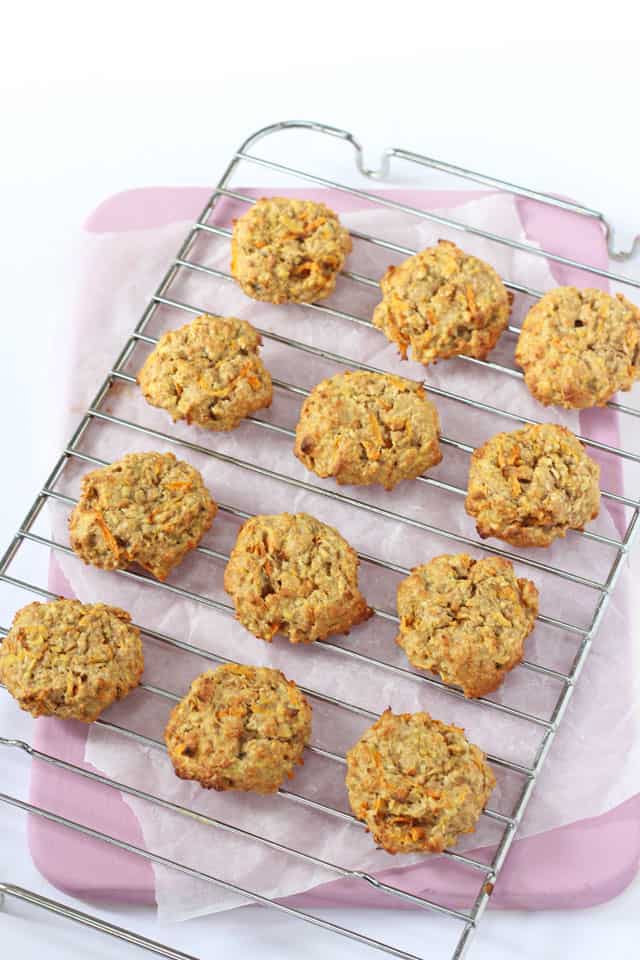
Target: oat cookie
466,619
579,347
366,428
69,659
292,574
532,485
288,251
147,508
442,302
239,728
417,783
208,372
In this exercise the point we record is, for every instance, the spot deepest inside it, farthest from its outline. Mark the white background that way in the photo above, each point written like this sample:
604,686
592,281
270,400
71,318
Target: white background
100,98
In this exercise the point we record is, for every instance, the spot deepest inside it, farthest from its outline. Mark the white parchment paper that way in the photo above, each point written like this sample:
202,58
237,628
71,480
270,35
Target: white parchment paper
595,761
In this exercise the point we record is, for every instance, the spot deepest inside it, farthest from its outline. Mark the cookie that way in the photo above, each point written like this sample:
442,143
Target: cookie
239,728
366,428
292,574
442,302
147,508
466,619
532,485
417,783
579,347
288,251
69,659
208,372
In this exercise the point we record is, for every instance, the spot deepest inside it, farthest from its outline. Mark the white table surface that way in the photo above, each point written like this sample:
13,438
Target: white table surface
100,99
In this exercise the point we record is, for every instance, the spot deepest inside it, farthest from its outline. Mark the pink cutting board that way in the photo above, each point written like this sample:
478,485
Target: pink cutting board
578,865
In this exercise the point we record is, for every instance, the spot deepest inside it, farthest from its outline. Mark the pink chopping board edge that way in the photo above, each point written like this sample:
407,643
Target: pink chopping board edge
578,865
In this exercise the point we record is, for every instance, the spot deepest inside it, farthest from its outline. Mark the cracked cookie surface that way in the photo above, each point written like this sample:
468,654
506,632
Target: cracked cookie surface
417,783
532,485
291,574
364,428
466,619
208,372
239,728
579,347
442,302
288,251
69,659
148,508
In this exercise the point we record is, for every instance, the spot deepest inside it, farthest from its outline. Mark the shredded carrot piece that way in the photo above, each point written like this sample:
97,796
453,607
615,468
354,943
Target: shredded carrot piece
471,300
246,372
374,449
306,228
109,537
235,710
399,338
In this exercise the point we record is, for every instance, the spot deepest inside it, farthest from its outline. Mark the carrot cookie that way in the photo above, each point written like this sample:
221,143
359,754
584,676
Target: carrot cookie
239,728
366,428
466,619
208,372
417,783
147,508
293,575
442,302
531,486
69,659
288,251
579,347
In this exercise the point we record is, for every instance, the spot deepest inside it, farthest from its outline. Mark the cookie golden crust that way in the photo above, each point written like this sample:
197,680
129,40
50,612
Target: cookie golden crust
466,619
288,251
417,783
147,508
366,428
69,659
579,347
292,574
239,728
442,302
208,372
531,486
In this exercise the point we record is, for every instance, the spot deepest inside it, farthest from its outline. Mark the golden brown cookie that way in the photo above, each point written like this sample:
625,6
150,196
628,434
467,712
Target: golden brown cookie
466,619
285,250
579,347
239,728
147,508
417,783
442,302
532,485
294,575
208,372
69,659
366,428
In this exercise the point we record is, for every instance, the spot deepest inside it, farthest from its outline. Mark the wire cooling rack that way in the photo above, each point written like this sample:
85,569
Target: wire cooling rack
616,460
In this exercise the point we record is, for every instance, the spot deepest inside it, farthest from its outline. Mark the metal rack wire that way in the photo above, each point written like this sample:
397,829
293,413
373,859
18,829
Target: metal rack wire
98,417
